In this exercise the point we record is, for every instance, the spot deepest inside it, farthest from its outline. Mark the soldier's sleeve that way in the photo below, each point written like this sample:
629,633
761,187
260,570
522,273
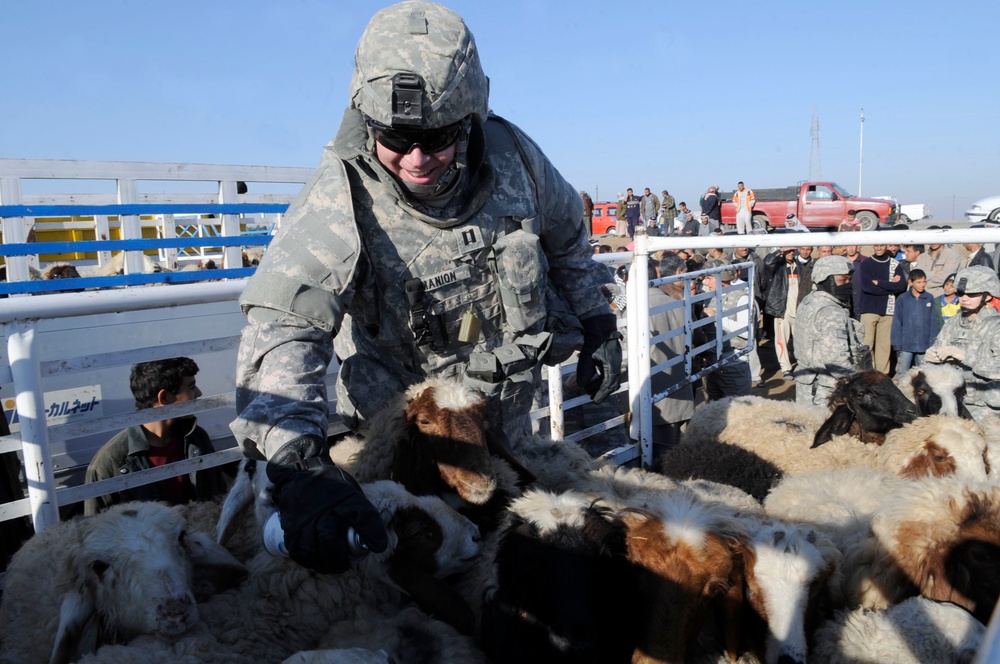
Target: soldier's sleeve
294,303
565,238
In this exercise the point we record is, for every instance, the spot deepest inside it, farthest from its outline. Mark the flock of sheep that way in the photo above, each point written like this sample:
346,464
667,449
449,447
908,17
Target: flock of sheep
775,532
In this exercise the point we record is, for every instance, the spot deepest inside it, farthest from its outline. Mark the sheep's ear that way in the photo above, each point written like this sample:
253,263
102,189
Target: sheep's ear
78,627
837,424
437,598
964,413
496,447
213,564
239,498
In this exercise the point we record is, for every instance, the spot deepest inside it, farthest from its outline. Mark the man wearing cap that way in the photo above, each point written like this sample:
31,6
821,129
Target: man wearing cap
733,379
706,226
711,205
435,239
828,342
971,340
667,214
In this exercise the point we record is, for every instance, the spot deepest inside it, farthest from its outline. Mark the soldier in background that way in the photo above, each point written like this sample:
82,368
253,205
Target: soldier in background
971,340
435,239
828,342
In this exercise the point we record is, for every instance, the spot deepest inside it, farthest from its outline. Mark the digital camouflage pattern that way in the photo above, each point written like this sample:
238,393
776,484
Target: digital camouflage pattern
980,339
435,44
828,345
348,246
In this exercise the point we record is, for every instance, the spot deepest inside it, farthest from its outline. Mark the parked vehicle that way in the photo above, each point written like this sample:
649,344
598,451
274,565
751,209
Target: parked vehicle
985,209
820,205
603,221
913,213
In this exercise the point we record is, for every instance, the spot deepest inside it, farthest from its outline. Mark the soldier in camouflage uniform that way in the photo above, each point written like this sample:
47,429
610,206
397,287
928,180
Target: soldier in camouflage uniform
435,239
828,342
971,340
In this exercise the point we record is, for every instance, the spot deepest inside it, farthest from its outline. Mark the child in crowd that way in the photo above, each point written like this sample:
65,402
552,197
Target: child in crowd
948,304
914,323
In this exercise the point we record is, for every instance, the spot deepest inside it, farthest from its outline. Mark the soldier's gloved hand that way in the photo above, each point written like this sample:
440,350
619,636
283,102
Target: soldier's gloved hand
951,353
599,370
318,502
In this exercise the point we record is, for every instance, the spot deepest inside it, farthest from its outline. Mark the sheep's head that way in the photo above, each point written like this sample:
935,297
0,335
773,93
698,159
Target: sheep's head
866,405
936,388
428,541
447,444
683,565
945,537
132,573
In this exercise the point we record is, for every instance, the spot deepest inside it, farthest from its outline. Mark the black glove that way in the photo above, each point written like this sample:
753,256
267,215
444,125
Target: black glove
599,370
318,502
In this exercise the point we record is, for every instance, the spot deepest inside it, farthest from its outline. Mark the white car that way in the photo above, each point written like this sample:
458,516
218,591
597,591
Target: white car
985,209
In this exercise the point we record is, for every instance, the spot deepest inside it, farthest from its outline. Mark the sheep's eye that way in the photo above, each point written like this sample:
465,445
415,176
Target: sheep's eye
99,567
425,422
921,393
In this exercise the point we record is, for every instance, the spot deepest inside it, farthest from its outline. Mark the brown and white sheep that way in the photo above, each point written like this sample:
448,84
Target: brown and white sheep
433,440
938,445
107,578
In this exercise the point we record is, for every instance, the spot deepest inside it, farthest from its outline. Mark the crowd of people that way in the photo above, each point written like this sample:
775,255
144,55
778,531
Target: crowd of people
828,311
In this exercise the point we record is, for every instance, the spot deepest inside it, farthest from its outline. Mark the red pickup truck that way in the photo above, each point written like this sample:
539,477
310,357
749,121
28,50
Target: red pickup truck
820,205
603,221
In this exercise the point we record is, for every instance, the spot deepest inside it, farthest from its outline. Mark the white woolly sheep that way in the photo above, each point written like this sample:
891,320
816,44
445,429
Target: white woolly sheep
938,445
285,608
409,637
107,578
915,631
865,405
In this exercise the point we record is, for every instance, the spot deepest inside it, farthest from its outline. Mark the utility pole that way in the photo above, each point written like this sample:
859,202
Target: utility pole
815,163
861,151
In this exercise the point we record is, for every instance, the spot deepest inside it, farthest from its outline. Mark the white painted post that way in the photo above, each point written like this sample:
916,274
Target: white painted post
15,229
102,232
168,229
131,225
639,331
232,256
557,419
24,367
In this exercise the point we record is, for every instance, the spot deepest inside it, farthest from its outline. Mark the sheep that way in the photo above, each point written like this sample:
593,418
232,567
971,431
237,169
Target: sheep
917,631
936,388
943,535
560,580
865,405
107,578
433,441
409,637
937,445
284,608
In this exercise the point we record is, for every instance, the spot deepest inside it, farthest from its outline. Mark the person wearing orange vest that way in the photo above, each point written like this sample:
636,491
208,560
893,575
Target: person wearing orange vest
743,200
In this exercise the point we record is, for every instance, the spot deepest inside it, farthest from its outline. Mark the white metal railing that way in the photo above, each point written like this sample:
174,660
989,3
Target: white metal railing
130,195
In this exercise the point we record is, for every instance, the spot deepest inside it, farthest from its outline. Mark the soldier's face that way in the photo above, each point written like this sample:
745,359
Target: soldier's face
415,166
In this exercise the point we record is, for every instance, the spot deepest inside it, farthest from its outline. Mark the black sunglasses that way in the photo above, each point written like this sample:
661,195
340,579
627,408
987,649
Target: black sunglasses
961,293
401,141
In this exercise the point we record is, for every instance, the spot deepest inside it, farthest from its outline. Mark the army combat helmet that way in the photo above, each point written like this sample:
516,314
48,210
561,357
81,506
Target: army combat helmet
977,279
829,266
417,67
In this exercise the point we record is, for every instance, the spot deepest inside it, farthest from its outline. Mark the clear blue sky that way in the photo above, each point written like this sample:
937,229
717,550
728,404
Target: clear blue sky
661,94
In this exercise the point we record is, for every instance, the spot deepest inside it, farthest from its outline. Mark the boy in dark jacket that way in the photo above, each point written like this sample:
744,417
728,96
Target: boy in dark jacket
914,323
